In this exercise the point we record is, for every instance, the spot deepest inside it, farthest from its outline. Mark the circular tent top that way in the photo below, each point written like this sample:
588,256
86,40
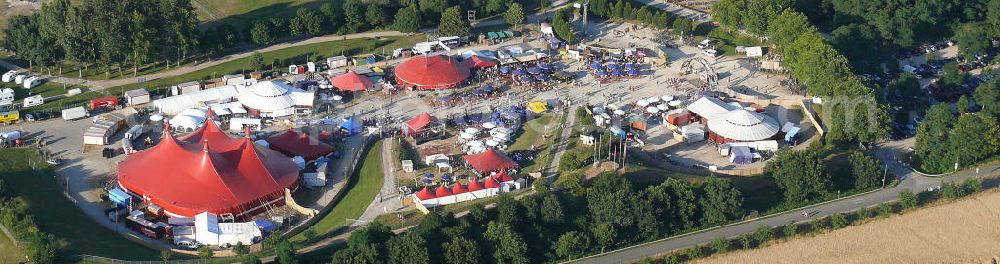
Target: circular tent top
267,96
743,125
432,72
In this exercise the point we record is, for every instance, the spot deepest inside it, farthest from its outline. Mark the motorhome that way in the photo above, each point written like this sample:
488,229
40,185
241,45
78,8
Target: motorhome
9,76
6,96
19,79
32,82
33,100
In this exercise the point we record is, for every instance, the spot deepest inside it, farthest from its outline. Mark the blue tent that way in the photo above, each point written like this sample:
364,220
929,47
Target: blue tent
118,196
596,66
618,72
542,77
519,71
741,155
630,66
264,225
613,66
505,69
600,73
371,60
633,72
545,65
353,125
534,70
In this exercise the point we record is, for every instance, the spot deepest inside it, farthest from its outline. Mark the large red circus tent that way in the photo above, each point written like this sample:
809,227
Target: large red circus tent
292,143
209,171
418,123
489,161
351,82
431,72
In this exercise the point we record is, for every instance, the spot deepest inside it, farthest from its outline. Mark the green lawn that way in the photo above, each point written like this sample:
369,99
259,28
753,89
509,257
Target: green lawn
361,189
531,133
56,215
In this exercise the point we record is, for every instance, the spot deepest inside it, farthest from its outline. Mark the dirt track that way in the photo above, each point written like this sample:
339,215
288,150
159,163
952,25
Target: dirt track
958,232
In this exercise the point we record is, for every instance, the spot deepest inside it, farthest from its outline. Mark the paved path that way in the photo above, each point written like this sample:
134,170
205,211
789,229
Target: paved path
387,199
886,152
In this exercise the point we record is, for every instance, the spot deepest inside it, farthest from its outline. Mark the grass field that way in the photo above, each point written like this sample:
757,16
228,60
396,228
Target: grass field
8,252
56,215
531,133
360,191
957,232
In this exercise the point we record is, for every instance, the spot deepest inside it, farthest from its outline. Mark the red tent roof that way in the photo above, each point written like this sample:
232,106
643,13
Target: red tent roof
502,177
292,143
475,186
492,183
489,161
418,123
207,171
476,62
458,188
425,194
442,191
431,72
351,81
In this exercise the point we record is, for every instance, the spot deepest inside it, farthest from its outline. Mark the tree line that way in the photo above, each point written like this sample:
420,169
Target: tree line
945,143
104,33
551,226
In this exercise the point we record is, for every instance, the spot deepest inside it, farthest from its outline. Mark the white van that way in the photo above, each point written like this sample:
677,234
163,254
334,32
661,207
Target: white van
32,82
19,79
9,76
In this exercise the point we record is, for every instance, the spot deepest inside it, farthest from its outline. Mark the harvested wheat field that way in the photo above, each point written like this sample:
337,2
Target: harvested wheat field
963,231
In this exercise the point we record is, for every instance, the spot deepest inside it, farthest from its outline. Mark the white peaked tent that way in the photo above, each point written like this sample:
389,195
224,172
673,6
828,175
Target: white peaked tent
743,125
267,97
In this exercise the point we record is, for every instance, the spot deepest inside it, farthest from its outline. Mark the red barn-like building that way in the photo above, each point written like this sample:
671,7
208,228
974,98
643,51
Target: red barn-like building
209,171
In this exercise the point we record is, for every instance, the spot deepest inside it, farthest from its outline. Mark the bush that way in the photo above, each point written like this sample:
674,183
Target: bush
907,199
693,252
973,185
818,224
763,234
746,241
838,220
950,191
719,245
885,209
863,214
671,259
790,229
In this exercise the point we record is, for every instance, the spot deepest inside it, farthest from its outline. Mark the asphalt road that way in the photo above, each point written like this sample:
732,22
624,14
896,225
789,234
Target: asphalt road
887,152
